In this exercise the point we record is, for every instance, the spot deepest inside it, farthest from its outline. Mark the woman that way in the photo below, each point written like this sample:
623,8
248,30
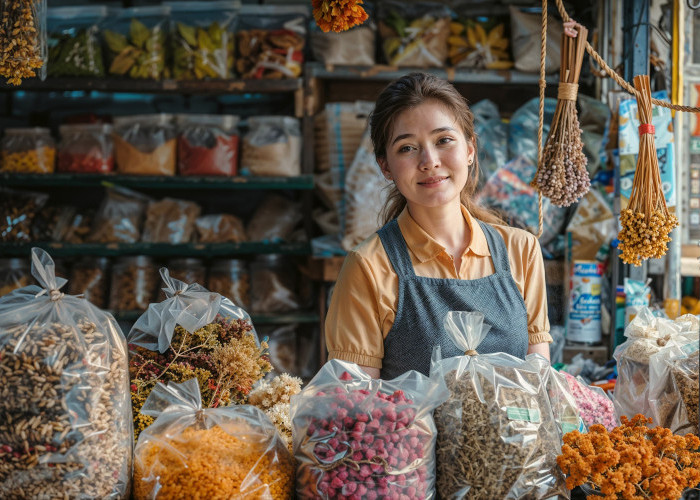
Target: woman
438,250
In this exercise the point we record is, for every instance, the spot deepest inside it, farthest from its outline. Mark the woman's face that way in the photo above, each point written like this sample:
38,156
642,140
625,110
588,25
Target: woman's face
428,156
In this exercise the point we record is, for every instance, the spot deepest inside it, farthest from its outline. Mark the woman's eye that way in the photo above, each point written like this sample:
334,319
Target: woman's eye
404,149
445,140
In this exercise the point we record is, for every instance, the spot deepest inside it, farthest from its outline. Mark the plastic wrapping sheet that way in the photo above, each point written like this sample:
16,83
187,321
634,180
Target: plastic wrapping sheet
354,435
497,437
65,410
216,453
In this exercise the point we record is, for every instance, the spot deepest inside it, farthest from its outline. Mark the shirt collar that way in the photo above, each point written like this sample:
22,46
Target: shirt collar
425,248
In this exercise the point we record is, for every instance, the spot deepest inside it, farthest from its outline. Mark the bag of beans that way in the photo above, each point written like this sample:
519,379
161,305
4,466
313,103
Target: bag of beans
497,437
673,388
65,412
365,438
191,451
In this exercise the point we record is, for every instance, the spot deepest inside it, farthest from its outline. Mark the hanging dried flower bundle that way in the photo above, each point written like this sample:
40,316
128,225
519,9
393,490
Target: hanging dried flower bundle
21,39
646,222
338,15
562,175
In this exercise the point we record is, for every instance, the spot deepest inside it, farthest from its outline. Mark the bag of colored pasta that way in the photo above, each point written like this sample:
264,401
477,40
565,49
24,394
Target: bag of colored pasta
207,145
65,414
192,451
497,436
359,437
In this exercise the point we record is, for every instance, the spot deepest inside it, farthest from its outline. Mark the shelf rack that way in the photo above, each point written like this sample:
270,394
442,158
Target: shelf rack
257,319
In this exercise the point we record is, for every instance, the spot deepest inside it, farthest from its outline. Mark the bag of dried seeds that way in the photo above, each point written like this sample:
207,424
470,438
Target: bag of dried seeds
145,144
65,415
673,388
359,437
170,221
192,451
120,217
497,437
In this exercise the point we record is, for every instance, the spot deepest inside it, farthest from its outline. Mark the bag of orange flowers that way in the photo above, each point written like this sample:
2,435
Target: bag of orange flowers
215,453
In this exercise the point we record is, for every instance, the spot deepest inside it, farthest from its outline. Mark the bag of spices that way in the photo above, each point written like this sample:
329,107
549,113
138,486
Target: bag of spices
355,47
192,451
75,47
220,228
120,217
29,150
270,41
207,145
272,146
202,39
136,41
65,416
497,437
18,209
170,221
414,34
85,148
145,144
23,44
359,437
673,390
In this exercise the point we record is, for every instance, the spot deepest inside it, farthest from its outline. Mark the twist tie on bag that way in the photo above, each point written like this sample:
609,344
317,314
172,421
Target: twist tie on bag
470,352
355,464
567,91
466,329
44,270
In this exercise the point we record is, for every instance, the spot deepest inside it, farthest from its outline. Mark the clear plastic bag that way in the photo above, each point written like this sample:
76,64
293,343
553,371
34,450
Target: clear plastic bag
75,47
564,406
673,388
14,274
355,435
136,41
230,278
191,451
355,46
272,146
29,150
145,144
120,217
273,285
526,29
17,212
202,39
492,138
23,44
594,405
86,148
270,41
89,278
274,219
220,228
497,437
207,145
65,413
134,282
479,37
414,34
170,221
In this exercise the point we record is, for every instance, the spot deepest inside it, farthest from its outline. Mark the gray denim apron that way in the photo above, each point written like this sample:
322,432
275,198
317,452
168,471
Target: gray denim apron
424,302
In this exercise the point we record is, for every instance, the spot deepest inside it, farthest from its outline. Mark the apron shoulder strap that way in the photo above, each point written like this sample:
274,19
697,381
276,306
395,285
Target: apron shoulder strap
497,247
395,247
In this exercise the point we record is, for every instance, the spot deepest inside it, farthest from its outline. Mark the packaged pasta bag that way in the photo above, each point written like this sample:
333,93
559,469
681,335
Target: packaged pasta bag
673,388
497,436
194,334
364,438
414,34
192,451
65,417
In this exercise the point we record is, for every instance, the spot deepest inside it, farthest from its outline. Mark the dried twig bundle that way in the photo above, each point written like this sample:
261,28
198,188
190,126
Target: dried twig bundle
20,40
562,174
646,222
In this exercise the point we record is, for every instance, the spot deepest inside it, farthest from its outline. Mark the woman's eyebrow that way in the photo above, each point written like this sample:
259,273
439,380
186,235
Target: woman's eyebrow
436,131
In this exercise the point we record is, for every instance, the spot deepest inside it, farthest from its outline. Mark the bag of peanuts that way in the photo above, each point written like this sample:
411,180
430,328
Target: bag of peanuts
364,438
191,451
497,437
65,411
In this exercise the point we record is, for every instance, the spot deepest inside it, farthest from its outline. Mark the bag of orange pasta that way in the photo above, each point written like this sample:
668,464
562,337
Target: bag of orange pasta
213,453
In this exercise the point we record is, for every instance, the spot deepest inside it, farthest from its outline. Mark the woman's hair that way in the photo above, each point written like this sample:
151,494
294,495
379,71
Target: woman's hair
408,92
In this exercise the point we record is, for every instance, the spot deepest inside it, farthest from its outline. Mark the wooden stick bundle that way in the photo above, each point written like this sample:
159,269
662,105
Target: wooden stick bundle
562,174
646,222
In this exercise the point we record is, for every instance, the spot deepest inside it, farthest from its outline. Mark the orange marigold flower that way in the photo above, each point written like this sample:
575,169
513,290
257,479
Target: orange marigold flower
338,15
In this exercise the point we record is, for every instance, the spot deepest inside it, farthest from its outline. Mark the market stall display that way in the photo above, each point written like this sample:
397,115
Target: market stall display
23,43
192,450
65,422
29,150
75,45
86,148
371,438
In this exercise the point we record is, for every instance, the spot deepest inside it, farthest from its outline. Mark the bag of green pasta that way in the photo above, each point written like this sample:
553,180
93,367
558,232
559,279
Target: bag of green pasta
136,42
202,39
74,42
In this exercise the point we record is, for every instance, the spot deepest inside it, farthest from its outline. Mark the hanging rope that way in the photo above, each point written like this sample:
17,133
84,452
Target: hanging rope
540,123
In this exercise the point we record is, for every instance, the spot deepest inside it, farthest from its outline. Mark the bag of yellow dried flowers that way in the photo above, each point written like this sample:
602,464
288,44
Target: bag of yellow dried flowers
194,334
192,451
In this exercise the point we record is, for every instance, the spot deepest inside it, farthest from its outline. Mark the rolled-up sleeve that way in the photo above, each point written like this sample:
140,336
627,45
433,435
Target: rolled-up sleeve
352,325
535,297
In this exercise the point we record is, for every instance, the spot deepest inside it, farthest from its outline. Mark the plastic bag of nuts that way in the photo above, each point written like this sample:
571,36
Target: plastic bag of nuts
170,221
220,228
65,410
28,151
231,278
497,437
216,453
120,217
14,274
134,282
89,278
272,146
17,212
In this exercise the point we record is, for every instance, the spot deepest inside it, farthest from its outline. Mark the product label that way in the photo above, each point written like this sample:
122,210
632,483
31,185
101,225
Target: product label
583,321
567,427
691,348
526,414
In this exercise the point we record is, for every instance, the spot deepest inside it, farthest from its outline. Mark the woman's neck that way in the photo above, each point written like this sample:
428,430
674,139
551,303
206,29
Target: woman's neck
444,224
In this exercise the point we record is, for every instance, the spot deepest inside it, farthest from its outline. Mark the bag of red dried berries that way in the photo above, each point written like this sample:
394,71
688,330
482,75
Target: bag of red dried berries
363,438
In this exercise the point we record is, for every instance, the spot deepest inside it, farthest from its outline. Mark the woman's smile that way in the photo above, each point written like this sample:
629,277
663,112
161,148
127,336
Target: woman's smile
432,182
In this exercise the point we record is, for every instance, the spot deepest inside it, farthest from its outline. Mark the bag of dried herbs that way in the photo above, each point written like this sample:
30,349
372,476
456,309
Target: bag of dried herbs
136,42
194,334
75,47
22,40
194,451
65,416
364,438
202,36
673,388
414,34
497,437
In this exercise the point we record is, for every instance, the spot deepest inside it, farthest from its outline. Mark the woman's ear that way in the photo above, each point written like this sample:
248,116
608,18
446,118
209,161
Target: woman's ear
471,152
384,166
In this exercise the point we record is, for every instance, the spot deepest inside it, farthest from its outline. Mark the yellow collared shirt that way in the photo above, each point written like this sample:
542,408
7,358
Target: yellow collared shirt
364,301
